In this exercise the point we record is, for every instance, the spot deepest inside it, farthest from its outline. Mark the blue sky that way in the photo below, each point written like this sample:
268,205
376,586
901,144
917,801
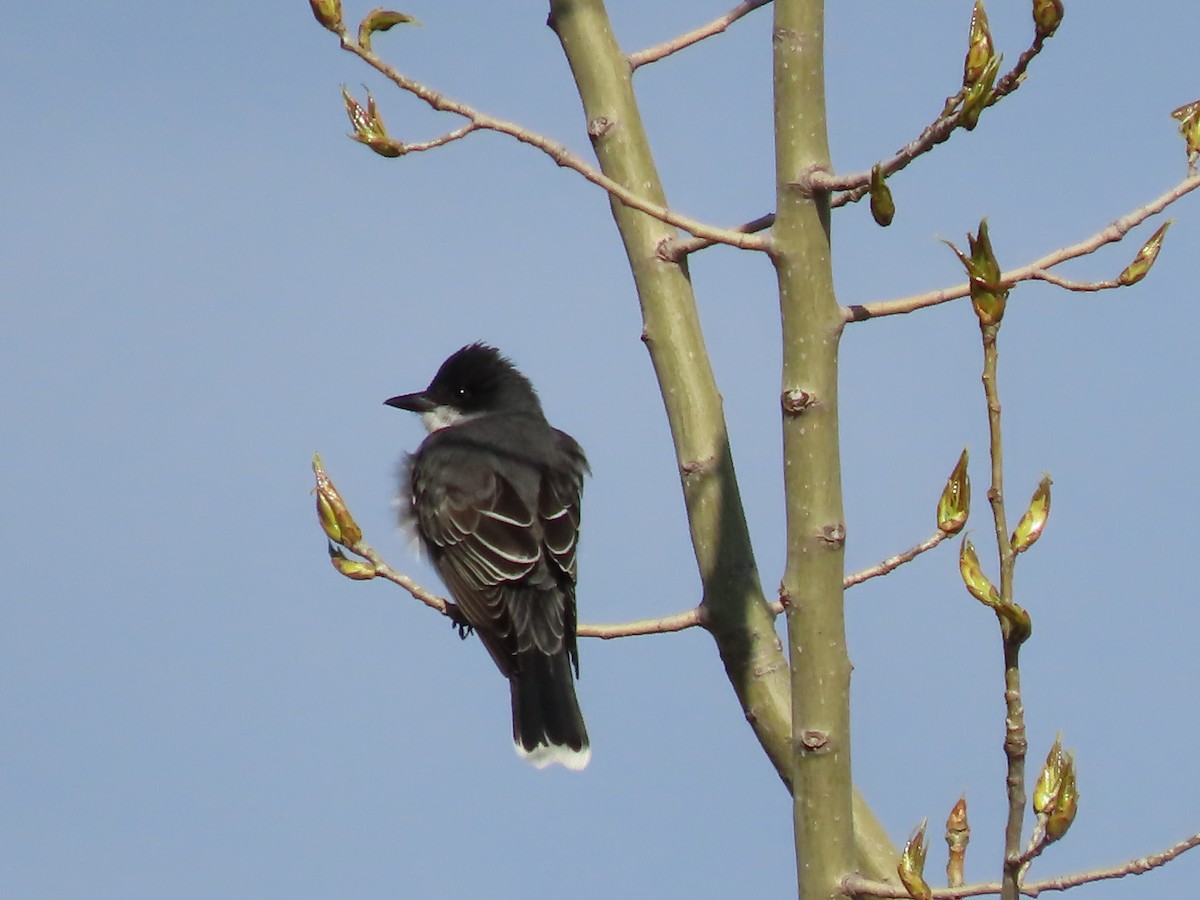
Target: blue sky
205,281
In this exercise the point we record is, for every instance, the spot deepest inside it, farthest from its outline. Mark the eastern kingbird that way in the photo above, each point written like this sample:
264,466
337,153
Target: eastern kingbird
494,493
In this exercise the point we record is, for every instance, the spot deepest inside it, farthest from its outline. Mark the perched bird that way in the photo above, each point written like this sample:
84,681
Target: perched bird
493,492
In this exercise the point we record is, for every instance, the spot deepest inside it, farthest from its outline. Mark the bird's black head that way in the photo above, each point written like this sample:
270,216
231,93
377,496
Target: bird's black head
474,381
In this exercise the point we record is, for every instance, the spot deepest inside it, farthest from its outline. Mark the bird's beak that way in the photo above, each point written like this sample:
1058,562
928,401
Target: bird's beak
418,402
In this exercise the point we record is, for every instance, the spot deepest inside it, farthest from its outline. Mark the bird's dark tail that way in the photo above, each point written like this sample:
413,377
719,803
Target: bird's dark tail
547,724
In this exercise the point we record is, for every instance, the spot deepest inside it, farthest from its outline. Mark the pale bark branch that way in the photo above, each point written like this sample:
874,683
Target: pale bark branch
695,36
856,886
481,121
1035,270
854,186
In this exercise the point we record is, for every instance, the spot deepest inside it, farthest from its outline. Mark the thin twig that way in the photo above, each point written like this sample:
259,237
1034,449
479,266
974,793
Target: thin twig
855,186
1035,270
895,562
680,621
446,138
676,249
857,886
556,151
1067,284
695,36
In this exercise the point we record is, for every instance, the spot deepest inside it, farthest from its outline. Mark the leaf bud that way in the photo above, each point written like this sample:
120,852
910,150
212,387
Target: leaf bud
912,866
1047,16
329,14
380,20
1140,267
883,208
1029,529
955,503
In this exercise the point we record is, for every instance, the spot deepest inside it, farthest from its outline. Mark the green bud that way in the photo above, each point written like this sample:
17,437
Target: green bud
1140,267
1029,529
912,866
1189,126
958,835
988,294
1047,16
332,513
1050,778
329,14
368,126
955,503
883,208
380,20
980,49
357,570
972,575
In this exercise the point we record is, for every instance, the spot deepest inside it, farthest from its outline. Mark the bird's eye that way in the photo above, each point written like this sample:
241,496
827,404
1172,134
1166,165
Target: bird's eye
462,393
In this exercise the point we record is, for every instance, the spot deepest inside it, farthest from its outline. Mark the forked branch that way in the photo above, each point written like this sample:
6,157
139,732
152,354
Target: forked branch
1037,270
480,121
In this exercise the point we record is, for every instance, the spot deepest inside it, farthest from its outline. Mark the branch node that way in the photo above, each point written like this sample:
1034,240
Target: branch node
697,466
599,127
796,401
814,740
834,535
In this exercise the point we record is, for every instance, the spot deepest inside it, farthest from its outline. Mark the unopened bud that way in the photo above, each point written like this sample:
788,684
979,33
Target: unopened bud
380,20
1140,267
958,835
1047,16
1029,529
358,570
980,49
1189,126
912,866
1050,778
988,294
332,512
883,208
955,503
329,14
972,575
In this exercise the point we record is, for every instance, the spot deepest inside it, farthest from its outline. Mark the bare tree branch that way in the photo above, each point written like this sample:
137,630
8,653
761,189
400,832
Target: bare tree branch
676,249
854,187
716,26
856,886
894,562
556,151
679,622
1035,270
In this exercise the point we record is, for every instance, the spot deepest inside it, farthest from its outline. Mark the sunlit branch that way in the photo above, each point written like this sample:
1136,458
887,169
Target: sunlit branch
856,886
1035,270
556,151
894,562
716,26
680,621
665,625
855,186
676,249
